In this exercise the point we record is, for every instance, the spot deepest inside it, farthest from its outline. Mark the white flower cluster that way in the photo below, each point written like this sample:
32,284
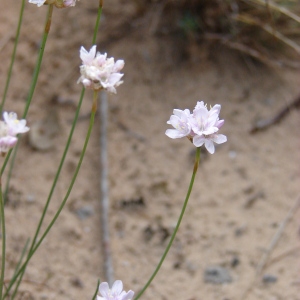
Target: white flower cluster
201,126
99,72
115,293
9,128
57,3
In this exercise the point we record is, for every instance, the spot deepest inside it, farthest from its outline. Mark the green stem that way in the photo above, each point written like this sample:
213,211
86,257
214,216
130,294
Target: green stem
3,240
97,22
36,246
197,159
39,60
13,56
35,74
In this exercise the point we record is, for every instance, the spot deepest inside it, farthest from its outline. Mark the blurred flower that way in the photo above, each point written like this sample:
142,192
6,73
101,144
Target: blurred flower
14,126
57,3
37,2
99,72
9,128
200,127
115,293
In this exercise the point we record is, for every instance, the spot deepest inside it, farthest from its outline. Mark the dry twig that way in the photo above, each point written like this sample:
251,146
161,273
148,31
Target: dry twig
108,266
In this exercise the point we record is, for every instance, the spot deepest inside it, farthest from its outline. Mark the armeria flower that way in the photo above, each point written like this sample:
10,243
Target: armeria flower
115,293
99,72
201,127
9,128
180,121
57,3
14,126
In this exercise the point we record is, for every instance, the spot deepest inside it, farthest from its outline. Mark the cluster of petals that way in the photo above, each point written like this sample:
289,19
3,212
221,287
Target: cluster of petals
201,126
99,72
57,3
9,128
115,293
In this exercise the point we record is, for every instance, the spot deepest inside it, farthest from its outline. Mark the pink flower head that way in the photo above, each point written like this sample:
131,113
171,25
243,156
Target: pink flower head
99,72
9,128
115,293
181,122
14,126
201,127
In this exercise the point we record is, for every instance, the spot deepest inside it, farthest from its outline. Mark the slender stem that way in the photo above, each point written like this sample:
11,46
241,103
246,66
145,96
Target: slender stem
13,55
97,21
12,162
36,246
3,240
197,159
35,74
96,291
39,60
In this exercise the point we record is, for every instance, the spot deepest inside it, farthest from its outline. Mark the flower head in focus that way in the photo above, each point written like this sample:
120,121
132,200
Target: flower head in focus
99,72
115,293
57,3
201,127
9,128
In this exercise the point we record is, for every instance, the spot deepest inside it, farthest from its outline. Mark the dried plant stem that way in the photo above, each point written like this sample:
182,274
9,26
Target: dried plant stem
276,237
197,159
108,266
261,265
278,8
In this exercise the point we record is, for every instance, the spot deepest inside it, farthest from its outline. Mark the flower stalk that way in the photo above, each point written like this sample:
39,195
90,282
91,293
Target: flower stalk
197,160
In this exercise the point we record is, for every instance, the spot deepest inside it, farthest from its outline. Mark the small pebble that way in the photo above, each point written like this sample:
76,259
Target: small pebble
268,278
85,212
217,275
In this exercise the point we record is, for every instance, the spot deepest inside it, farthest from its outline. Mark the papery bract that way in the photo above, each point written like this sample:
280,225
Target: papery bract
115,293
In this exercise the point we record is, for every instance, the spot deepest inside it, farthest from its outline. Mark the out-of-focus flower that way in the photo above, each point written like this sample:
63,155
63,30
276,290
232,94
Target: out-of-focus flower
14,126
201,127
37,2
57,3
99,72
9,128
115,293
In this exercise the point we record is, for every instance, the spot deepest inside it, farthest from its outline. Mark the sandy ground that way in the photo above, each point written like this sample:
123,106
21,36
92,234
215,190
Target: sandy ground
242,193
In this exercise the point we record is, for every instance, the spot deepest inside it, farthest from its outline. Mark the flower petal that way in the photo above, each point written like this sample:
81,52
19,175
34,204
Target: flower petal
219,138
199,140
104,289
117,287
209,145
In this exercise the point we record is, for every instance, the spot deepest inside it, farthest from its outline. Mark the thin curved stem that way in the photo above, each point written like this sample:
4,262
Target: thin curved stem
97,21
36,246
3,240
197,159
35,74
39,60
13,56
